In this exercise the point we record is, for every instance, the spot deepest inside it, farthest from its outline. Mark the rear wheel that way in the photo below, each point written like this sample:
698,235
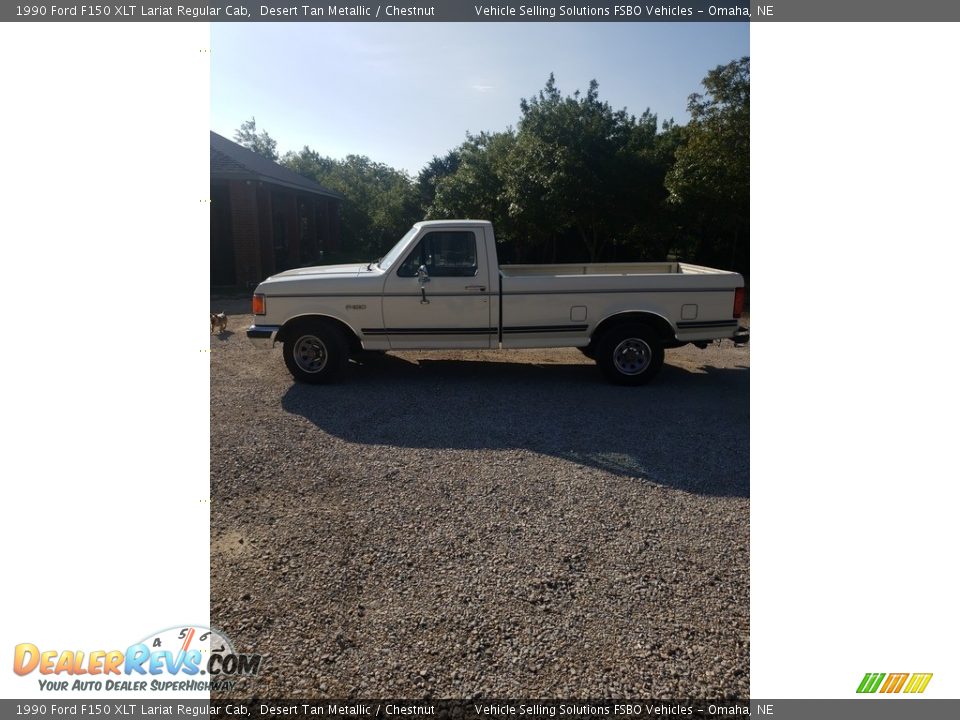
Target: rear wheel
630,354
315,352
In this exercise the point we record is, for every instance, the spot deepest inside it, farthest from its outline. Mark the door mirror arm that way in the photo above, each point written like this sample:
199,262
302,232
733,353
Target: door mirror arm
423,277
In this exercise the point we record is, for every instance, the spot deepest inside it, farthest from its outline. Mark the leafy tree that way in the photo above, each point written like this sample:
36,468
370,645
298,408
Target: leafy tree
261,143
380,203
476,188
309,163
710,180
582,168
575,180
434,171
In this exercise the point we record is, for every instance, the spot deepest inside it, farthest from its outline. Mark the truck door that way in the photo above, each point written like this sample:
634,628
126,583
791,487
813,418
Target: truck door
438,296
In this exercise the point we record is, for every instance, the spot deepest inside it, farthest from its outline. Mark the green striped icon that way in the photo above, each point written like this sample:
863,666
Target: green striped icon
895,682
871,682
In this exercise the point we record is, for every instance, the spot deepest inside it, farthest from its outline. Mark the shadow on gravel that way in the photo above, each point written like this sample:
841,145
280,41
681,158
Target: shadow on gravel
688,430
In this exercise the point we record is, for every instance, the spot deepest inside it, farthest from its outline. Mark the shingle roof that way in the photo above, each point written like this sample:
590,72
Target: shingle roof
230,161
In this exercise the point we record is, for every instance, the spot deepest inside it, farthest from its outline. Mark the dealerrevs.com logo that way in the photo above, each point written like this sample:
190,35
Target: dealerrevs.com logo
183,659
911,683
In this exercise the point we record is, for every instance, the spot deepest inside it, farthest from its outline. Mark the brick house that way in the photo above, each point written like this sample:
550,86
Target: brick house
264,218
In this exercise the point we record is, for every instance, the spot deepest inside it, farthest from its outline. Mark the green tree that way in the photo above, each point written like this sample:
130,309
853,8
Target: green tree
710,181
433,172
380,203
581,167
261,143
476,188
575,180
309,163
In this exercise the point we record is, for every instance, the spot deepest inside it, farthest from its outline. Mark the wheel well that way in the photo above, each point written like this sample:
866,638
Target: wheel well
351,337
658,323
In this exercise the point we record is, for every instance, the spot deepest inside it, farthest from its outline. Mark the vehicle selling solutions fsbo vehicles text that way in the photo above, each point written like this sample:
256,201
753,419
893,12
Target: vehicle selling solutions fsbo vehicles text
506,11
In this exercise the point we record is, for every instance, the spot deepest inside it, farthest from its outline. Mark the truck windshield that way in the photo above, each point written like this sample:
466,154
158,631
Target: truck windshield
391,257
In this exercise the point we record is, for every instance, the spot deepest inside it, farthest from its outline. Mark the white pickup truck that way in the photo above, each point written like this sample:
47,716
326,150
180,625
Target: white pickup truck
441,287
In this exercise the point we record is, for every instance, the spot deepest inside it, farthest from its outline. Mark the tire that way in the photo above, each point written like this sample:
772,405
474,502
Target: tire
589,350
630,354
315,352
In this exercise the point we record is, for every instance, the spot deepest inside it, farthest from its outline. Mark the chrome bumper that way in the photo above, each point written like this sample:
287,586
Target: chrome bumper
262,335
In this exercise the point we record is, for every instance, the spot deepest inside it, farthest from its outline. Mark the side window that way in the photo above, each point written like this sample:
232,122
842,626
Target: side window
444,254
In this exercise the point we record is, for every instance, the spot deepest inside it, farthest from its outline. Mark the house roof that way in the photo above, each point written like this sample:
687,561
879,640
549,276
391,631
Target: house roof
230,161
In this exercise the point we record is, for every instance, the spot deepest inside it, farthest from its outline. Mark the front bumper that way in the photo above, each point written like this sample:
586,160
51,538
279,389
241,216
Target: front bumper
263,335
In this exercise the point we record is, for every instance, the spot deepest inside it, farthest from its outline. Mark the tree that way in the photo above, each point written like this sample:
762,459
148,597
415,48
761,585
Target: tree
578,167
261,143
476,188
576,180
710,180
434,171
380,203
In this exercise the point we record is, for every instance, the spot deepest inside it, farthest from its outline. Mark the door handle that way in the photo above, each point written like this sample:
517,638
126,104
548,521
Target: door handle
479,288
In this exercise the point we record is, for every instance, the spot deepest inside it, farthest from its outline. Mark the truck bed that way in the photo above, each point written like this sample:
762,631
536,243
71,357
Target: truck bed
556,305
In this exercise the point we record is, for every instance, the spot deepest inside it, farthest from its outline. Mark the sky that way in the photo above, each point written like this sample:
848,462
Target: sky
402,93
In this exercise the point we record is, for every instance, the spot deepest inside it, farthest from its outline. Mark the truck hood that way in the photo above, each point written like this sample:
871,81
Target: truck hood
325,279
351,270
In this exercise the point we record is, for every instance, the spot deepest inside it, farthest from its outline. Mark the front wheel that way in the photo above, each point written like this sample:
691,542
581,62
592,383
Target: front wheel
630,354
315,353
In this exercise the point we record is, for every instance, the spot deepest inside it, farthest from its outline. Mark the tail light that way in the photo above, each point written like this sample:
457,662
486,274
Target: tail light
738,302
260,305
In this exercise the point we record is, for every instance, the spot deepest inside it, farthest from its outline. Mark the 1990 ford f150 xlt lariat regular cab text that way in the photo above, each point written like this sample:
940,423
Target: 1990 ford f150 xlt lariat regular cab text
441,287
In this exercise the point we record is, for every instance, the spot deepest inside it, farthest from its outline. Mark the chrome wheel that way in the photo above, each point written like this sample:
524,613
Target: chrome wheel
632,356
310,353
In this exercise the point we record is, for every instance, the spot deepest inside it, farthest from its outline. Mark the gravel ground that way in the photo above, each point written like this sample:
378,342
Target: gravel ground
499,524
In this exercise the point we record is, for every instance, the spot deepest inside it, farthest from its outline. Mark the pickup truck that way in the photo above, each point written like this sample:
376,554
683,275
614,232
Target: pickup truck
441,287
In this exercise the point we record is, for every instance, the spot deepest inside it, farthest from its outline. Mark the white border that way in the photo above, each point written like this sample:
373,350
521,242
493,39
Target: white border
854,234
106,348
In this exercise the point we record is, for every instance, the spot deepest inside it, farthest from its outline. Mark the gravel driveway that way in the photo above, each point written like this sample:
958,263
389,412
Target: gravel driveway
498,524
